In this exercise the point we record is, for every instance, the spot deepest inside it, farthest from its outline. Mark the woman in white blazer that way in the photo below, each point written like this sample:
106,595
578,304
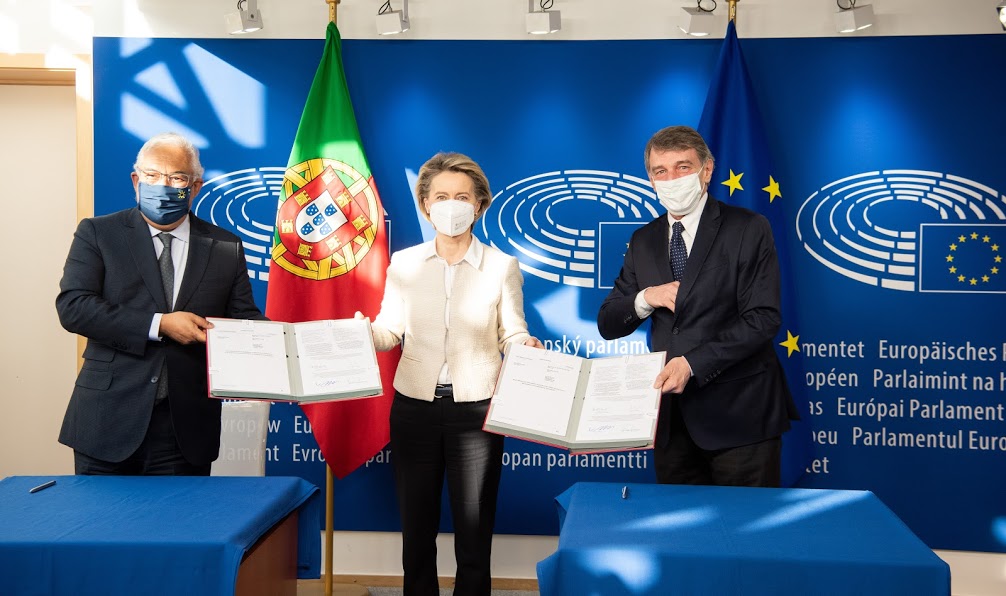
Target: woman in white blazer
454,304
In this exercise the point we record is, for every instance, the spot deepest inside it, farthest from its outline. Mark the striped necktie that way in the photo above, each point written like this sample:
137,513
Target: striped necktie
167,267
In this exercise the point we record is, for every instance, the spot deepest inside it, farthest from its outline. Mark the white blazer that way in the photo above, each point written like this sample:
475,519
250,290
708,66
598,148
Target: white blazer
486,314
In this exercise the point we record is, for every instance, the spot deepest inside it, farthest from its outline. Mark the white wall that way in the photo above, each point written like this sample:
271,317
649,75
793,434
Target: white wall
37,358
36,351
504,19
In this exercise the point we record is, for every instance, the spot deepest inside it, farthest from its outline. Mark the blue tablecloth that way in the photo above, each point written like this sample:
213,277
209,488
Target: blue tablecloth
705,540
108,535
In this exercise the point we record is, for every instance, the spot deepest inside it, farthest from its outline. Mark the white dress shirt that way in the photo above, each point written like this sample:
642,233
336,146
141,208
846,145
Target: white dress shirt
179,256
473,256
691,224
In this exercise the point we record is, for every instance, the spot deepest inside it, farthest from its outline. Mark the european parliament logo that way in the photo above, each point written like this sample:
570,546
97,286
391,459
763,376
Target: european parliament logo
244,202
570,227
908,230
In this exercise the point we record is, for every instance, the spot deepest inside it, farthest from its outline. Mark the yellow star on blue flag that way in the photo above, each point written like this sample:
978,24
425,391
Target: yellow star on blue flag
734,182
792,343
963,257
772,189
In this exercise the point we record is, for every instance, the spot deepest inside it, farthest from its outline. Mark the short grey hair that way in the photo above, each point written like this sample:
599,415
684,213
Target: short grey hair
677,138
176,140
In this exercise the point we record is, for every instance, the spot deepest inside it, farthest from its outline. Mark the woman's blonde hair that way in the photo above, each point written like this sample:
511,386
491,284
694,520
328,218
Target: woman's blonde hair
452,162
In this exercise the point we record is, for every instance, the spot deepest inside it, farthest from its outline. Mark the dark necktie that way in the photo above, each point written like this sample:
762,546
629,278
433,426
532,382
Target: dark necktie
679,254
167,268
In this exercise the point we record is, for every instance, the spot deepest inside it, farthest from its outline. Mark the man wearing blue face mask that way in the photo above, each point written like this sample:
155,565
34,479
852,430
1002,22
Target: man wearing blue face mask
139,284
706,275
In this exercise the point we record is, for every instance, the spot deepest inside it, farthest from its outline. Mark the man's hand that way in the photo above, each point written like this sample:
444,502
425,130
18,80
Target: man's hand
663,296
674,376
184,327
534,343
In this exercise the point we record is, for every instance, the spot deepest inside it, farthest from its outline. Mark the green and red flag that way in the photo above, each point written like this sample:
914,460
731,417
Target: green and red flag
330,252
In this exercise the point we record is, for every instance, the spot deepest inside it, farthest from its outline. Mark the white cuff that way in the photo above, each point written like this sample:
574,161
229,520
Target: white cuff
643,308
155,327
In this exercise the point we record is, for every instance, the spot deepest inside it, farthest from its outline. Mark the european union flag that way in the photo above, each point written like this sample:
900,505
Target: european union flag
962,257
732,127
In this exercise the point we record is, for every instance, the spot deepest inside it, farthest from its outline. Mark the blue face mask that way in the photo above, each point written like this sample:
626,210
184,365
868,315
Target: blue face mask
163,205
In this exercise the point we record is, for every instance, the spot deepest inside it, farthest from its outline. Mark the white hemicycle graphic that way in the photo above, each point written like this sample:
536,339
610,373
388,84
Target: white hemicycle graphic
868,226
554,222
239,201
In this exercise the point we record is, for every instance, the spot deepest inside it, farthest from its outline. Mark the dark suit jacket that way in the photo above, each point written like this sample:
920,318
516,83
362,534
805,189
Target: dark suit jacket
727,314
110,290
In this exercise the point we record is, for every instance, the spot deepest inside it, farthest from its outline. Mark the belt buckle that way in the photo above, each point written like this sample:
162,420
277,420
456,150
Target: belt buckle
443,391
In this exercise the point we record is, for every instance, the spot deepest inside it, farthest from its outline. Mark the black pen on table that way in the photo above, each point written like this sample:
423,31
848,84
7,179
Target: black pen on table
42,486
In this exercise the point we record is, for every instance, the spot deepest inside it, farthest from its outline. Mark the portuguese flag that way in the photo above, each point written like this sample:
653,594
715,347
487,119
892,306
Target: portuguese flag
330,252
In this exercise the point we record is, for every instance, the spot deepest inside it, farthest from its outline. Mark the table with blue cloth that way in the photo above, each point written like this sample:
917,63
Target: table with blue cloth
145,535
672,539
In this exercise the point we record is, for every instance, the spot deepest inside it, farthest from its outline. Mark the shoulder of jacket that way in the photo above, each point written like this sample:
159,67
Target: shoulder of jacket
116,217
409,254
649,227
737,212
205,228
491,252
497,258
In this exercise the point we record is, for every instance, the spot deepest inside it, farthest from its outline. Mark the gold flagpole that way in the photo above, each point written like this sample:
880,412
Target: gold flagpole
333,16
342,589
733,11
329,516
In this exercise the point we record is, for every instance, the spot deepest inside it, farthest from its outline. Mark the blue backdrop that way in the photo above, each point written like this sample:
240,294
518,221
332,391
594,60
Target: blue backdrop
888,153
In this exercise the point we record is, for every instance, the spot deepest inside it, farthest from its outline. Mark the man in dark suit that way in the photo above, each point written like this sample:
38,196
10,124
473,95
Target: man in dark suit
140,297
707,277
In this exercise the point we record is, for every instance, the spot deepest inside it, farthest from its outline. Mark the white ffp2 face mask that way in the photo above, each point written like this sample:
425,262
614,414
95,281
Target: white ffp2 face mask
681,195
452,217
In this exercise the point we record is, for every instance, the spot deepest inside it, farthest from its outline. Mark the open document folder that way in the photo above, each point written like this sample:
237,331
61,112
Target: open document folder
604,404
299,362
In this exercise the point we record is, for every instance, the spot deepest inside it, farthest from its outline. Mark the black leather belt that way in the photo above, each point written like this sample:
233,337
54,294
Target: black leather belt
444,391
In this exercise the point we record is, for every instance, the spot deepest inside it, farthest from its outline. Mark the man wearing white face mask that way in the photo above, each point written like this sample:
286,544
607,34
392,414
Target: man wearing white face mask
454,304
706,275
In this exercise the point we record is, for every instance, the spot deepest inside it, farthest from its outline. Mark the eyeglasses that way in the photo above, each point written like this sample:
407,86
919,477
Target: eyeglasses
175,179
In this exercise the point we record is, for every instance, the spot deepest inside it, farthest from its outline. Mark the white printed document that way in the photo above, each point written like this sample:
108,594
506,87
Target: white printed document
299,362
604,404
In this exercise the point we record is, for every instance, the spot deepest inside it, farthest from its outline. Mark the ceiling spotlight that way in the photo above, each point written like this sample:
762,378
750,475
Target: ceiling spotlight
852,18
1001,9
390,22
246,19
701,21
542,21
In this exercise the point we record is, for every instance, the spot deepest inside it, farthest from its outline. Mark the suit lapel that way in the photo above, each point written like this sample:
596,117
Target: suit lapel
141,247
661,246
195,266
709,227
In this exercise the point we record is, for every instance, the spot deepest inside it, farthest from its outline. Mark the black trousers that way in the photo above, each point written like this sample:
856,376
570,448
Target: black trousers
157,455
681,461
428,441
